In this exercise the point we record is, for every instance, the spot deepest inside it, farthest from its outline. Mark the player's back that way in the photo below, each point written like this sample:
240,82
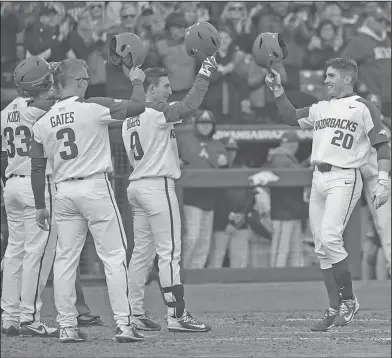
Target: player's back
76,139
17,120
151,146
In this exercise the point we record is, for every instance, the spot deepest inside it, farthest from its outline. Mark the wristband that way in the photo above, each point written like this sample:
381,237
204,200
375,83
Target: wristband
383,175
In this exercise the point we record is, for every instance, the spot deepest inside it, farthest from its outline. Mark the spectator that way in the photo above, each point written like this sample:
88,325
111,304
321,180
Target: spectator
181,68
230,220
235,17
227,88
371,49
11,34
47,38
198,150
8,89
287,208
322,46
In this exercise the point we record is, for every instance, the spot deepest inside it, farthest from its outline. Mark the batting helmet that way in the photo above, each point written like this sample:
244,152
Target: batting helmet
202,40
269,48
126,49
34,75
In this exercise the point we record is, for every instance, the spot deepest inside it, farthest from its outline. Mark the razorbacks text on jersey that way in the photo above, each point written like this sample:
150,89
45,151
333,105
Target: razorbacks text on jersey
17,121
75,135
344,131
151,145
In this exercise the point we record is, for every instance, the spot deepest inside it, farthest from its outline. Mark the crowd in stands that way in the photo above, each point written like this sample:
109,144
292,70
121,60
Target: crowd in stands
313,32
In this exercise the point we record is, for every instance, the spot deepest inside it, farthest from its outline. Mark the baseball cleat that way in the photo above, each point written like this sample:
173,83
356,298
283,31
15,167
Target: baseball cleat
145,323
87,319
326,323
347,311
29,329
71,335
10,329
186,324
128,334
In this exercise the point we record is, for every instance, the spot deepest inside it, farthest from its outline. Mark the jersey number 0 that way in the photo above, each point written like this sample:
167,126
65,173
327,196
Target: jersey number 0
136,146
71,151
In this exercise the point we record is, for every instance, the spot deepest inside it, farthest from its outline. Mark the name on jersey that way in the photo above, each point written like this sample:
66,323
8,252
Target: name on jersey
336,123
61,119
133,122
13,117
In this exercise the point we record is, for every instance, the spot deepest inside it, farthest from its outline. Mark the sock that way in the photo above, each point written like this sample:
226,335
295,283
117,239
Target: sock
343,279
332,288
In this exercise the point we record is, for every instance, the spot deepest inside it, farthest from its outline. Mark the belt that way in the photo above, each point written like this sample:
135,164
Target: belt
74,179
97,176
325,167
17,176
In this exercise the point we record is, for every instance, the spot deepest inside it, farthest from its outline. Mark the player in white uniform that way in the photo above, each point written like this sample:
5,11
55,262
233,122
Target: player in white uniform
382,216
73,136
151,146
345,129
30,251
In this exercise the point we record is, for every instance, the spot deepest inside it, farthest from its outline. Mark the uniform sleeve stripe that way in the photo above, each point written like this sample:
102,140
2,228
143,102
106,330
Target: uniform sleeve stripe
374,112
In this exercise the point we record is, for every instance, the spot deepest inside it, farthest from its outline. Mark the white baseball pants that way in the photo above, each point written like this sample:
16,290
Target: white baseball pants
157,230
333,198
197,238
237,242
30,252
81,205
287,248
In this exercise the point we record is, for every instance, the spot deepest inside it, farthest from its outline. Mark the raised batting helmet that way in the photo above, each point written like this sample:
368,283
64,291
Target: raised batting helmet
269,48
34,75
126,49
202,40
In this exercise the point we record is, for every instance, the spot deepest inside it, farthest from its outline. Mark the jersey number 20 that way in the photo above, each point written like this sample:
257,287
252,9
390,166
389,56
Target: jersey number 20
68,135
343,140
136,146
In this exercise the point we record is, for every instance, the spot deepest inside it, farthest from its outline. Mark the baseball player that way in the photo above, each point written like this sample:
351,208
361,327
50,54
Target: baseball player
151,146
37,106
345,129
73,136
30,252
381,217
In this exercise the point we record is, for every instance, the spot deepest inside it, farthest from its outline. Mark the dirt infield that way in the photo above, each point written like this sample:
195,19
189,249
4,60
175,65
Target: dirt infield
248,320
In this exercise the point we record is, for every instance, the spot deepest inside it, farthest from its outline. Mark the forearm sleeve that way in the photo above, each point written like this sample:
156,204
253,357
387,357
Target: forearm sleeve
3,163
383,151
288,112
137,103
38,167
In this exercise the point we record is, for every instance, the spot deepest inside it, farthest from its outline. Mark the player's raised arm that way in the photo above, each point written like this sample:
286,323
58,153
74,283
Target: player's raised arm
286,110
175,111
118,110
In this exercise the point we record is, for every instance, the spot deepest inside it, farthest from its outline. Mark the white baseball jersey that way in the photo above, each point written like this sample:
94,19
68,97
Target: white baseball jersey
344,131
17,121
75,136
151,145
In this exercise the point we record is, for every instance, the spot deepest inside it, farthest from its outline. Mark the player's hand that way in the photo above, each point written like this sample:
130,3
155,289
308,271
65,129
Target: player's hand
135,73
42,218
273,79
208,66
381,194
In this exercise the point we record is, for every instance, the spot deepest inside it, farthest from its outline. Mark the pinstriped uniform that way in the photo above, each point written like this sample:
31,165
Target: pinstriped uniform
30,251
75,139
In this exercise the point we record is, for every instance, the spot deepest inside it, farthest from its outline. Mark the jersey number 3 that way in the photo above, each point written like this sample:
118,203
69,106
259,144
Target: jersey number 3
68,135
343,140
136,146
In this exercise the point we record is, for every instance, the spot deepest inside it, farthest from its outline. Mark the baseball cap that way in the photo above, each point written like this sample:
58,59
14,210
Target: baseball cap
289,137
230,143
204,117
378,13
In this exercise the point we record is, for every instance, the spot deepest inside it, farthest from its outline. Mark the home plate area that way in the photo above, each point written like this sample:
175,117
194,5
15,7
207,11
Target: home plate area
248,320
